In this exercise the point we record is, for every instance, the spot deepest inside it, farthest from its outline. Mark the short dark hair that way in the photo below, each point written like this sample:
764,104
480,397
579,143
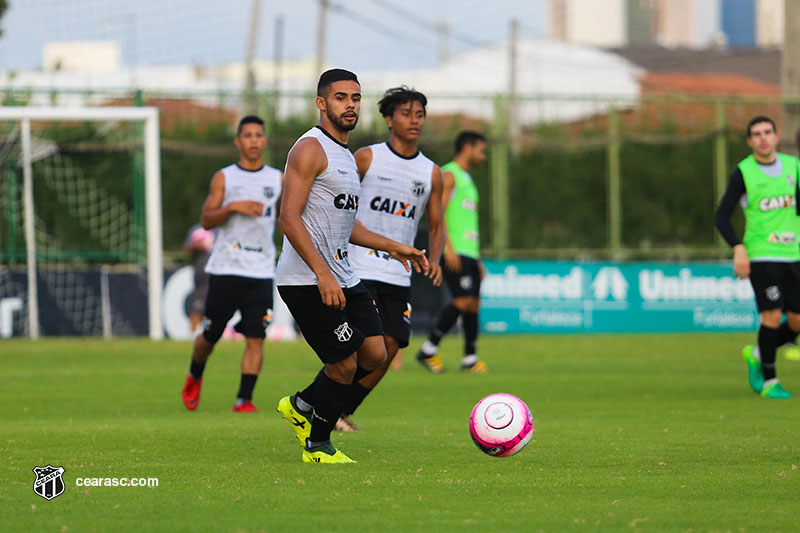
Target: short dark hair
758,120
468,137
398,96
331,76
249,119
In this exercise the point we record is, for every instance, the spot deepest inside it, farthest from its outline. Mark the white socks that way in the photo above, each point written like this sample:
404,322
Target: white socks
429,349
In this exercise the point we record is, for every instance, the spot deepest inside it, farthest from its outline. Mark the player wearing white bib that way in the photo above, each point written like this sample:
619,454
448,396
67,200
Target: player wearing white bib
398,185
331,306
242,203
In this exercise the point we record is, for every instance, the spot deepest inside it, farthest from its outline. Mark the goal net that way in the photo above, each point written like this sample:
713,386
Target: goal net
80,222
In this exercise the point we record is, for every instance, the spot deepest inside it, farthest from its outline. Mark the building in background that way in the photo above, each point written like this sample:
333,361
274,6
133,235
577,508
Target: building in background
595,22
81,56
770,19
695,24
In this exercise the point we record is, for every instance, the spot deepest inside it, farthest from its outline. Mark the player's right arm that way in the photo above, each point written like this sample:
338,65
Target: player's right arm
215,214
363,161
306,161
451,259
727,205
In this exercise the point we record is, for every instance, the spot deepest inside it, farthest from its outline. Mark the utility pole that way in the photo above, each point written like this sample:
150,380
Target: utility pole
790,70
277,56
513,122
322,28
443,36
250,101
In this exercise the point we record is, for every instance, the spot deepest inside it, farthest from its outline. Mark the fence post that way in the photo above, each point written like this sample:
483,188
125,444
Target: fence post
720,158
498,177
614,202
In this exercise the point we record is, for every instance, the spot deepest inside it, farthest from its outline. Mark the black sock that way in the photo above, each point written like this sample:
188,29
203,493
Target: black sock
447,317
361,373
307,394
329,398
786,334
470,322
246,386
357,393
197,369
767,344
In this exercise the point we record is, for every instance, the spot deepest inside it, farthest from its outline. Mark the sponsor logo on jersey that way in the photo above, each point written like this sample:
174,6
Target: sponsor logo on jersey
776,202
380,255
342,172
393,207
418,187
348,202
787,237
239,246
383,178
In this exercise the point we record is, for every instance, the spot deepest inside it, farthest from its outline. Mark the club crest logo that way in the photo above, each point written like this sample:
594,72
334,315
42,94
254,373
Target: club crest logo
790,180
48,483
773,293
418,188
343,332
269,192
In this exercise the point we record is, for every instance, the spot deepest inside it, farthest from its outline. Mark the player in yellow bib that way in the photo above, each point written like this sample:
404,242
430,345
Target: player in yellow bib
463,270
765,185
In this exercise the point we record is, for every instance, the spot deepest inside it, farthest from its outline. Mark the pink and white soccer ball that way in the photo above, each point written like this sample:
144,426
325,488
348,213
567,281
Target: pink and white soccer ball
501,425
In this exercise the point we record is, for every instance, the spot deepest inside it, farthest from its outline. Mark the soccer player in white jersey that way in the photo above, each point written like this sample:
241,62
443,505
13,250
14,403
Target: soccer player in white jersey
242,203
398,184
333,309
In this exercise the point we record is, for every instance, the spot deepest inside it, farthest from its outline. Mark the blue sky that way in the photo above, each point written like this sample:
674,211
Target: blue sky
362,34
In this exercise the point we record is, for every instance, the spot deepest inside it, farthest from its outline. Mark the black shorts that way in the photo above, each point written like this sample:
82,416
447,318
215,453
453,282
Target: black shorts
777,285
394,306
251,296
465,282
334,334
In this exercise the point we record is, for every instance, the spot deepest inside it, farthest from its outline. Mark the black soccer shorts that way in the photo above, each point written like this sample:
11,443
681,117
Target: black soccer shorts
394,306
465,282
334,334
776,285
251,296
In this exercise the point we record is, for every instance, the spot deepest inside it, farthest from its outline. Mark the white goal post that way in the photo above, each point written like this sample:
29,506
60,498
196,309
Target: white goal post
152,178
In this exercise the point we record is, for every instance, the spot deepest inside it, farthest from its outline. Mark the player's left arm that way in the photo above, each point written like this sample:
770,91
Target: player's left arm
402,252
363,161
435,231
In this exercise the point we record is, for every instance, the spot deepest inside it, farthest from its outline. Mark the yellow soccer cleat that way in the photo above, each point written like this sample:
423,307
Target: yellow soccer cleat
300,422
432,363
478,368
325,454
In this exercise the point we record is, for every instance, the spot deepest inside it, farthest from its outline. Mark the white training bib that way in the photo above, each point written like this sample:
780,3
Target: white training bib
329,216
394,195
244,245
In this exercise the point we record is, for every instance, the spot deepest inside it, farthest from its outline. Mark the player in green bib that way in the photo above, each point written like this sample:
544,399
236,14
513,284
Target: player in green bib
462,268
765,185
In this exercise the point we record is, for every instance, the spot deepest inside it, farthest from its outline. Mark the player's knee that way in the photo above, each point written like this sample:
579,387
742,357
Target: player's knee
213,329
771,318
793,319
343,371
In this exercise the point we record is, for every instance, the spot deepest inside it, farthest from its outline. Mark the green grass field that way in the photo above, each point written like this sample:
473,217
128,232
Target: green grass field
650,432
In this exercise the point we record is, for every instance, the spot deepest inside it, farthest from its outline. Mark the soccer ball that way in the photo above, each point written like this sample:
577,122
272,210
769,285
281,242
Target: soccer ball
501,425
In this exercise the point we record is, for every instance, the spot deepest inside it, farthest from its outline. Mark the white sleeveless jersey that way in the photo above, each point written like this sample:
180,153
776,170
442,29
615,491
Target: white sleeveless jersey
394,194
329,216
244,245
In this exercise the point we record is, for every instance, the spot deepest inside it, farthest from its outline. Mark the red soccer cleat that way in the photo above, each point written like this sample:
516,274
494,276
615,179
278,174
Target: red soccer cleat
191,392
246,407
